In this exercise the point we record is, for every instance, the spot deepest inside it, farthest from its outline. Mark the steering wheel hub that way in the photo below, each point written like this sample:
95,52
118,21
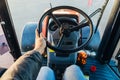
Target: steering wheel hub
65,30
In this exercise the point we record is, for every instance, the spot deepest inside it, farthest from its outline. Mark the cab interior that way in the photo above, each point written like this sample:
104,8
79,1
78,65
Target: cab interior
72,37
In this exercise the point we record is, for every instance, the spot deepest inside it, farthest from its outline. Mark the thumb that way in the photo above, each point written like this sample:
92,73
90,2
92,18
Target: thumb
37,34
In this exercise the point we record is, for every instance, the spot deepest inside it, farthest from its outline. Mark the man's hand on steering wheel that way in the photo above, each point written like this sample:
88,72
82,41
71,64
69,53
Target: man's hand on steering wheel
40,42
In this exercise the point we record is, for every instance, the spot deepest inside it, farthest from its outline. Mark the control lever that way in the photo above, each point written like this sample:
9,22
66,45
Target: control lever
91,54
82,56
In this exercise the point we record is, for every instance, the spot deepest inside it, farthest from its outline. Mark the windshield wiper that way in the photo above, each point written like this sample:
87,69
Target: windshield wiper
92,14
103,8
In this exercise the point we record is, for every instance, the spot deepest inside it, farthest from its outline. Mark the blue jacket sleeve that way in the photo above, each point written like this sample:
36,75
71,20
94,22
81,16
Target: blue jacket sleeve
25,68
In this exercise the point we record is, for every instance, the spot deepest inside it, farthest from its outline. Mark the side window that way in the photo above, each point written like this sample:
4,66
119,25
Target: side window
6,59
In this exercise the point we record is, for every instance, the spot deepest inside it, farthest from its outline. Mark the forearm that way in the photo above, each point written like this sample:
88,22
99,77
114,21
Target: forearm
25,68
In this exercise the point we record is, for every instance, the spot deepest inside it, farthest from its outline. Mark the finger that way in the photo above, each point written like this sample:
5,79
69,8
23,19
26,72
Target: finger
37,34
41,35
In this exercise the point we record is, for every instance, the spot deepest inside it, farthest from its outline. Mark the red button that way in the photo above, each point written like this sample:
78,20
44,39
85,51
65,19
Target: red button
93,68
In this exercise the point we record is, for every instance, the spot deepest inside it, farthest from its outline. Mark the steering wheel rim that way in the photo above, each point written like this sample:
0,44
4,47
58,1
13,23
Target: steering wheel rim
74,9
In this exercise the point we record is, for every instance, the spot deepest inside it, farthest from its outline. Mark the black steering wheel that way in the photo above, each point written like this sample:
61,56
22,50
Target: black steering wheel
67,31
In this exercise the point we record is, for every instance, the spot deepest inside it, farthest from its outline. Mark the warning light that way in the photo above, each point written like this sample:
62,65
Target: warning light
93,68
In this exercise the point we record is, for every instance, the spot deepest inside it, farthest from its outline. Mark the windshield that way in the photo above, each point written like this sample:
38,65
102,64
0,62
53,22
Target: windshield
24,11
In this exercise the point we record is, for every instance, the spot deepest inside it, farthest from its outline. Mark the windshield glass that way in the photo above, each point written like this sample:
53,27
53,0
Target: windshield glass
24,11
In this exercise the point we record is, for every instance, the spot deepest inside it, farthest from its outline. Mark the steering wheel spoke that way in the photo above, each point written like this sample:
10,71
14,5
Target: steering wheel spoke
57,22
79,26
60,41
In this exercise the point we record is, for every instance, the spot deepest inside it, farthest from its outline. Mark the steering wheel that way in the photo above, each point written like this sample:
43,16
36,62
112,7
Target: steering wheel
67,31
